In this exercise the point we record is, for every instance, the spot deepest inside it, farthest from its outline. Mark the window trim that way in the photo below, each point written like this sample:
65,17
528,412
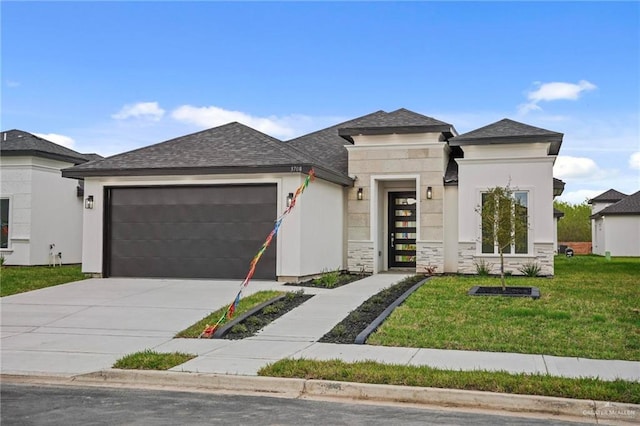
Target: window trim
530,251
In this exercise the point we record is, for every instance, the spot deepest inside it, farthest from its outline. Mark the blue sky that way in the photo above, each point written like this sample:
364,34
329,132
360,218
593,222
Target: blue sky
108,77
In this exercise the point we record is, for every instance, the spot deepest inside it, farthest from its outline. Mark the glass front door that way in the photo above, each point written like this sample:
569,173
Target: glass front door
402,230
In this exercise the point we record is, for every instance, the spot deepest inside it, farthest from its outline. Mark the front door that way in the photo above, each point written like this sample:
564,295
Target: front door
402,230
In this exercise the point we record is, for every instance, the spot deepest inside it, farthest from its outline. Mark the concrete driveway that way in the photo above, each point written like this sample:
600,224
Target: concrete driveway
85,326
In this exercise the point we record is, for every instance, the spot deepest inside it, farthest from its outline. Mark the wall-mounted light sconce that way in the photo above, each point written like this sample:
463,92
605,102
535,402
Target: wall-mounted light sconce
289,199
429,192
88,203
360,194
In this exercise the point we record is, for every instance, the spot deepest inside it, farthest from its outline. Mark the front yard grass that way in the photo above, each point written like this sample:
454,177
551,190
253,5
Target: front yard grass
590,309
19,279
372,372
151,360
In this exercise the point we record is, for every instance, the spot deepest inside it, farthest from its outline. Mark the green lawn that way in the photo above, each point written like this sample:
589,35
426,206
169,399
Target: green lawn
151,360
535,384
590,309
18,279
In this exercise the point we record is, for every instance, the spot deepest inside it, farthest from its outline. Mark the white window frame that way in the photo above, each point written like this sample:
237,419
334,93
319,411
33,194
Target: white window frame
512,252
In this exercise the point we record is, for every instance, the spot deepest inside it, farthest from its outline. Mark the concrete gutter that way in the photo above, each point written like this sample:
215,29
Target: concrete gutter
597,412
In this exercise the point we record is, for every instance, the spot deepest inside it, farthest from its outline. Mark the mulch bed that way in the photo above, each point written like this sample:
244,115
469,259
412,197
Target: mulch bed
532,292
348,329
343,279
254,323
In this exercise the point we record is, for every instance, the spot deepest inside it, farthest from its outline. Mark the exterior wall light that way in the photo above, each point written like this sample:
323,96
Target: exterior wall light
289,199
429,192
88,203
360,195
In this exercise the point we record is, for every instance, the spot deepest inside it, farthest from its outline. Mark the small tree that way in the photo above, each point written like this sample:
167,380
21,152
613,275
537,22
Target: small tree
503,218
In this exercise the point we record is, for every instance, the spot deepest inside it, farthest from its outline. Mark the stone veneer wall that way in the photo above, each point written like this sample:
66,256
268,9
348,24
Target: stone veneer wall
429,254
360,256
544,257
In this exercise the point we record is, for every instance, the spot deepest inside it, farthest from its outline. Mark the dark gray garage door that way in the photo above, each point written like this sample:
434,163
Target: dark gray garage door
189,231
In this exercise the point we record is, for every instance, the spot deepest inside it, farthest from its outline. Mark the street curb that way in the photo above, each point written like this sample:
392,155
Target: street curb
585,410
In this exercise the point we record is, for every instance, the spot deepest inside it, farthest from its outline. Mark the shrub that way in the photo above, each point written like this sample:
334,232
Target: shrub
328,279
530,269
483,268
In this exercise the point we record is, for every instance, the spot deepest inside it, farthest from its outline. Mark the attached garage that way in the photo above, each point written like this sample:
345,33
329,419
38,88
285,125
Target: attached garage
188,231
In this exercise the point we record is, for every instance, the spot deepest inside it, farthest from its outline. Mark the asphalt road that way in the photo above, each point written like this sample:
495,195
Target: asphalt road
49,405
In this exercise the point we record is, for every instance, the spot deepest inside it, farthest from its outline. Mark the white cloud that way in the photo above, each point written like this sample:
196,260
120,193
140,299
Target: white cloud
634,161
567,167
56,138
12,83
212,116
554,91
143,110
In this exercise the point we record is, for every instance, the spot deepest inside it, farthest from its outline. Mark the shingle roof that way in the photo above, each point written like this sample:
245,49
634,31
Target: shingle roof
229,148
608,196
19,143
329,144
508,131
630,205
401,121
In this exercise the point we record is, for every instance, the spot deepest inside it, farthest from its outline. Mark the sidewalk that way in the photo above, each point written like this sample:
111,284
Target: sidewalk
84,327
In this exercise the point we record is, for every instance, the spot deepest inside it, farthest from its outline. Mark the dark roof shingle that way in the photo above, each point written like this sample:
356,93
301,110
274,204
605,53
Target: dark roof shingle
18,143
508,131
229,148
629,205
401,121
608,196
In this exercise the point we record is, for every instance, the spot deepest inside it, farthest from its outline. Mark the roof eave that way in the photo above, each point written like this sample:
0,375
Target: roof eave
42,154
554,140
320,172
348,132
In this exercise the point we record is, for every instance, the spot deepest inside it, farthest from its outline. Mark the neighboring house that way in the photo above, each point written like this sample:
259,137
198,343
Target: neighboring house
38,206
615,224
557,215
394,190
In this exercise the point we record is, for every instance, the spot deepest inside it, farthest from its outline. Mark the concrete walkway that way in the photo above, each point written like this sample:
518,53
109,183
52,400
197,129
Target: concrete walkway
83,327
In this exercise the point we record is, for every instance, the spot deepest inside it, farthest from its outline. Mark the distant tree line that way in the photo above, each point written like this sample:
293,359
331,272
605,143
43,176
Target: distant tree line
575,226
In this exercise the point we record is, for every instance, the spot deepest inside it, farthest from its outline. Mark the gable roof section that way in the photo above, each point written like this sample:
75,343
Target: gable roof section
20,143
630,205
230,148
508,131
401,121
610,196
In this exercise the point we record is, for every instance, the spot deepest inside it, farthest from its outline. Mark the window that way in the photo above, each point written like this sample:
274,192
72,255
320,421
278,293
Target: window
518,213
4,221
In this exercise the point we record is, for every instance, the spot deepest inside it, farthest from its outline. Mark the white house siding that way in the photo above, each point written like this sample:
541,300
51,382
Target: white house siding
44,210
614,235
296,254
384,163
597,232
528,168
